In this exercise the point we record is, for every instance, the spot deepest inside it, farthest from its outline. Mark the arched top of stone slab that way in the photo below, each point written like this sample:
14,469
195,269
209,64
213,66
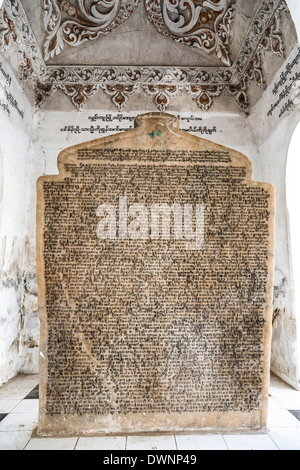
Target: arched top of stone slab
156,132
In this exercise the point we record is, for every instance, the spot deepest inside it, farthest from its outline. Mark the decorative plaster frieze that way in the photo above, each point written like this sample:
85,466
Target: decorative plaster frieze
267,27
26,68
119,93
138,75
16,30
78,93
162,94
8,31
261,21
203,95
42,91
240,94
272,39
255,71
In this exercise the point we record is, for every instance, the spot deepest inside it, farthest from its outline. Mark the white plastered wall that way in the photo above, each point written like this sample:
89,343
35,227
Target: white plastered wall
19,324
293,197
273,135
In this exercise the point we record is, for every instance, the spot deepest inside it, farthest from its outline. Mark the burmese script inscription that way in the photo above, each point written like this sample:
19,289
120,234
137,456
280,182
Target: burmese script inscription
155,288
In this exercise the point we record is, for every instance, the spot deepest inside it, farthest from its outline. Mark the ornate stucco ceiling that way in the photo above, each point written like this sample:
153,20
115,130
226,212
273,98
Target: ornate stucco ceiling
206,47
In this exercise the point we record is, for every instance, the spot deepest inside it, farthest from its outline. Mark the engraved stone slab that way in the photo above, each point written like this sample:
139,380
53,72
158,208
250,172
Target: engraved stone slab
155,274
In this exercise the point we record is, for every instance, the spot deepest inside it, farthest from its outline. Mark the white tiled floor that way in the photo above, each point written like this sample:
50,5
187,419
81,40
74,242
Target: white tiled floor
19,415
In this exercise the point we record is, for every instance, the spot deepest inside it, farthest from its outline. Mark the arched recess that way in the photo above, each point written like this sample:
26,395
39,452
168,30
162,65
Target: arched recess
293,203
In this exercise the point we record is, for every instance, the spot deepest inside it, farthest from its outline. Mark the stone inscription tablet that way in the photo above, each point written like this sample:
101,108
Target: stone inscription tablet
155,271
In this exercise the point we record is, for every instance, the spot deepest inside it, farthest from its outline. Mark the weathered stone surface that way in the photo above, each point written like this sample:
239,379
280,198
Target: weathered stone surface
146,330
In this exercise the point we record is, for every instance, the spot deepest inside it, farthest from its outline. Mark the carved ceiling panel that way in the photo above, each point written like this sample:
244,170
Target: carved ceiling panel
202,25
76,22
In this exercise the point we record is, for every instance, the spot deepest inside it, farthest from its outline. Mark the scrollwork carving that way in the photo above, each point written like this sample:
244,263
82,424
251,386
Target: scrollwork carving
7,28
74,23
272,40
203,24
254,70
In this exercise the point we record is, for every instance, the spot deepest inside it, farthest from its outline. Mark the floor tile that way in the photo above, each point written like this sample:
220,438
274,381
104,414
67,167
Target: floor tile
19,416
27,406
295,413
101,443
286,438
151,443
34,394
280,416
6,406
200,442
61,443
19,422
18,387
14,440
290,403
249,442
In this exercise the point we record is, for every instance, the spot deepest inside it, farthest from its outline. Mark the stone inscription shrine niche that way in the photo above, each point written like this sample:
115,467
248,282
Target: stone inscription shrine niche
155,273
